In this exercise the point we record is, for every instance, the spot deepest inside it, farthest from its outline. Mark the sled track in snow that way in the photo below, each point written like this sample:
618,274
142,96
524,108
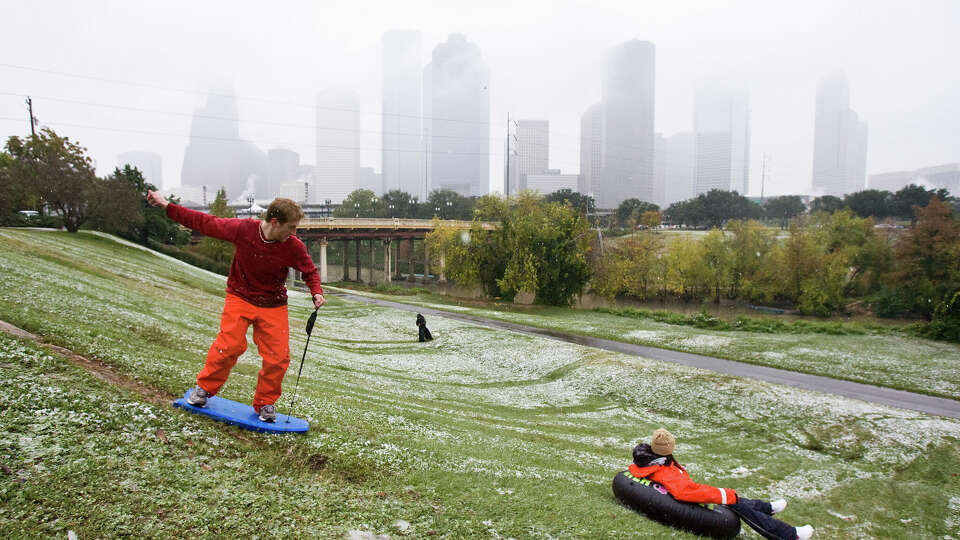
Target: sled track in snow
864,392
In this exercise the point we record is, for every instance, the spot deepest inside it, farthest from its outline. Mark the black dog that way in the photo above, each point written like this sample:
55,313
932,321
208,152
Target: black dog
425,334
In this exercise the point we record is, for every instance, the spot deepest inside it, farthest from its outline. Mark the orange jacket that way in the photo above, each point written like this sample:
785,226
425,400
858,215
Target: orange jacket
677,482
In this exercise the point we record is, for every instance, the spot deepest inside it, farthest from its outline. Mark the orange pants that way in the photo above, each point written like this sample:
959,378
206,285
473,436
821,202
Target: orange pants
271,333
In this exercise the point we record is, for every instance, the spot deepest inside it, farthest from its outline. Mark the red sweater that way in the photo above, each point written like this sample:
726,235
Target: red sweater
258,273
679,484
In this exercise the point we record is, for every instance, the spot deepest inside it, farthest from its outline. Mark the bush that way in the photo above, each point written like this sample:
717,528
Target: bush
946,320
891,302
190,258
750,324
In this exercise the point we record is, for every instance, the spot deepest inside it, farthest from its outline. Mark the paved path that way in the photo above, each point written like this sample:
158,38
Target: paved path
865,392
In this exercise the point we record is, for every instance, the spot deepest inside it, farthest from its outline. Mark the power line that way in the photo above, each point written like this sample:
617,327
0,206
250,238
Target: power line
278,102
233,96
239,121
229,139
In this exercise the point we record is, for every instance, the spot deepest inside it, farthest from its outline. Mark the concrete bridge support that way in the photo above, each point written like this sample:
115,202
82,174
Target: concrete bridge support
323,260
387,274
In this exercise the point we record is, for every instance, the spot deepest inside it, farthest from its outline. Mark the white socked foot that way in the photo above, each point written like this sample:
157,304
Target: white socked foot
778,505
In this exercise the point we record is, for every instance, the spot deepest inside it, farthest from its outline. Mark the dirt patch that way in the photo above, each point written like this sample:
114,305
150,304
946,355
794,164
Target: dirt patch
97,368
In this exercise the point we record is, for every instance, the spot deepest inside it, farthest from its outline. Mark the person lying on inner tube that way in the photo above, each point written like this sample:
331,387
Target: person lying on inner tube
655,461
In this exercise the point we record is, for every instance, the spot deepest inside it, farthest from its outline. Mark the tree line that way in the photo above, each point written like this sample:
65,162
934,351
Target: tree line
822,264
53,177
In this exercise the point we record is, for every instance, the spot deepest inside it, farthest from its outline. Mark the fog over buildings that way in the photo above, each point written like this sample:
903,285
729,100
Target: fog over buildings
338,145
217,157
721,124
840,140
626,145
456,108
529,152
424,90
402,122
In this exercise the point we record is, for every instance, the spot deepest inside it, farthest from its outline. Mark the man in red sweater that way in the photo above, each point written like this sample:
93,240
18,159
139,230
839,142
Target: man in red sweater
256,294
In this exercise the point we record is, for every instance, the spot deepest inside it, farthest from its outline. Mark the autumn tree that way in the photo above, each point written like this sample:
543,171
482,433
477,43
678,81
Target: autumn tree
928,257
750,246
687,274
631,209
651,219
60,173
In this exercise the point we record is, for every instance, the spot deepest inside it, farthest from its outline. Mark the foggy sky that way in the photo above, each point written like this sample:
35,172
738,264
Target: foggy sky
900,58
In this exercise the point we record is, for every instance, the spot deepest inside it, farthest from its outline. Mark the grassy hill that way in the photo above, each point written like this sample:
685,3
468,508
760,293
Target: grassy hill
478,434
853,351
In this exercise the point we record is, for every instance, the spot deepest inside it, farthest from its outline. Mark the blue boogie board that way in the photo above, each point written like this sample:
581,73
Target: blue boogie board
241,415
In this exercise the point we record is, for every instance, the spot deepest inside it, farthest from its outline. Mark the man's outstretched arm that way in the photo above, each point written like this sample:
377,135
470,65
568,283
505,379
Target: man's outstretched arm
212,226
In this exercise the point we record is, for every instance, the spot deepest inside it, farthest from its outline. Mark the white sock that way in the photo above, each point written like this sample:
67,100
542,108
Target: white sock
778,505
805,532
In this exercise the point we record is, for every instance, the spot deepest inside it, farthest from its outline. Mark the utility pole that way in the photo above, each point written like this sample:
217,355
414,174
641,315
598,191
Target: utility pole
426,138
506,178
33,131
763,175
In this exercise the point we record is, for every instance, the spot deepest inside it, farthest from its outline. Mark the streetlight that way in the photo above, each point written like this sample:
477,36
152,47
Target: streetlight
356,206
392,206
449,204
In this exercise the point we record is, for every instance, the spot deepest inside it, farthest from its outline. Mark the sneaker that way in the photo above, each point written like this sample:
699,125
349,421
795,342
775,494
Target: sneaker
198,398
804,533
268,414
778,506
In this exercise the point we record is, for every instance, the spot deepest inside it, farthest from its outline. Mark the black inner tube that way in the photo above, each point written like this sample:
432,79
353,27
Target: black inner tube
652,500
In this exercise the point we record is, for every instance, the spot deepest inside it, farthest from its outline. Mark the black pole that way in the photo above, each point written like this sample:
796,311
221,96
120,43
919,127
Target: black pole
310,322
33,131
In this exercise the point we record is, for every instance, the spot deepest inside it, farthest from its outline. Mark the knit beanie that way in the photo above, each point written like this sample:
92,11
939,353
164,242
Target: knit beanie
662,443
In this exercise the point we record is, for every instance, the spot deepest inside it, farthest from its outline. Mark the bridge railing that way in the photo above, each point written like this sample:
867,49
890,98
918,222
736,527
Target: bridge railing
385,223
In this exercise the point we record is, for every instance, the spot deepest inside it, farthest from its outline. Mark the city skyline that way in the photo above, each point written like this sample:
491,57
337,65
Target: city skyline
136,89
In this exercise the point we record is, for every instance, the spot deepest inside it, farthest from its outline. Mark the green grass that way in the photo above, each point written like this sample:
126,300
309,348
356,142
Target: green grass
381,288
743,323
478,434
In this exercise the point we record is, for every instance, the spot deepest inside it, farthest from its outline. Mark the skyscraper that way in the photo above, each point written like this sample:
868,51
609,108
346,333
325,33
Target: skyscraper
659,170
840,140
591,148
681,168
402,101
148,163
216,156
721,121
627,139
338,145
456,106
532,152
282,166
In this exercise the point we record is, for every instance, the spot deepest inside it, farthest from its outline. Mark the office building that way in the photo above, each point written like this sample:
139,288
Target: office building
840,140
627,124
402,147
457,118
338,144
722,137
